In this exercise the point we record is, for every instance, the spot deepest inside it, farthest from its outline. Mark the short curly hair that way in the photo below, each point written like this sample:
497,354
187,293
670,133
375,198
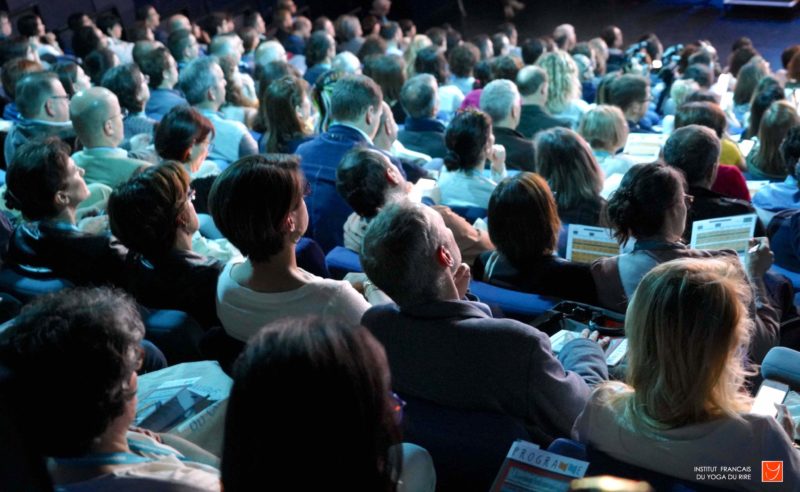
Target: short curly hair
75,351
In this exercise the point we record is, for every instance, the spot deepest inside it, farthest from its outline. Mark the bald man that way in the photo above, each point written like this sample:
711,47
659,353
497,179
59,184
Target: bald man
97,119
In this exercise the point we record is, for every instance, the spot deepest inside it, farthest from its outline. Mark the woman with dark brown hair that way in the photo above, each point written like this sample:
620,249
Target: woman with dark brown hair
185,135
765,160
524,225
284,114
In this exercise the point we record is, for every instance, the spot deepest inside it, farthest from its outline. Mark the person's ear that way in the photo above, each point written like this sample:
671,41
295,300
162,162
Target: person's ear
393,176
290,224
48,107
108,128
444,258
61,199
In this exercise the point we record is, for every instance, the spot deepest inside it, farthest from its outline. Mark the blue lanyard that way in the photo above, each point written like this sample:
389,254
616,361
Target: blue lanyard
120,458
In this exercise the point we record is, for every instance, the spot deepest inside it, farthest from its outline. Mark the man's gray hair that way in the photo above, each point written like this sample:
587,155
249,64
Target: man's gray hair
418,95
498,98
197,78
399,251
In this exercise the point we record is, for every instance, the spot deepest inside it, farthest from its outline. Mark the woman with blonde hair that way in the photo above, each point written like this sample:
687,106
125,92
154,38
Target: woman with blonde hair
418,43
564,87
566,161
685,400
765,160
605,129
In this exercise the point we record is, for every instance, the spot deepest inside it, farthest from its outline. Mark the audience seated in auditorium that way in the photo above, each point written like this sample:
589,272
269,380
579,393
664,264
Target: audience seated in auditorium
389,72
12,71
422,132
348,34
532,84
87,39
462,60
271,418
563,87
98,121
730,181
47,187
767,92
452,352
566,161
685,401
284,116
72,77
153,216
30,26
355,119
765,160
650,206
44,107
431,60
203,83
81,348
470,144
130,86
183,46
694,150
98,62
524,225
604,128
257,204
230,45
500,99
368,181
162,71
111,25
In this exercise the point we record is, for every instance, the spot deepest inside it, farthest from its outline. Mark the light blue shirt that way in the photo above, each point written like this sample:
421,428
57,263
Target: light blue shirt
778,196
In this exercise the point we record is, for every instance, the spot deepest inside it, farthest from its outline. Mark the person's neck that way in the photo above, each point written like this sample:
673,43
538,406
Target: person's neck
104,144
67,215
208,106
506,123
278,274
168,85
353,124
532,101
183,240
114,439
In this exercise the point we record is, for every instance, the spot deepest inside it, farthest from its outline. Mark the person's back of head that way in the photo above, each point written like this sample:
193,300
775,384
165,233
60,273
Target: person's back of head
564,36
790,151
319,47
523,219
353,96
463,58
92,113
270,51
80,349
562,77
688,319
251,202
389,72
362,180
154,64
438,37
701,74
225,44
180,44
530,80
28,25
500,44
400,249
767,91
604,127
347,28
38,171
419,96
13,70
566,161
107,22
179,131
372,46
647,193
145,211
391,31
499,99
76,20
628,90
33,91
532,49
346,62
215,23
271,417
198,77
85,40
702,113
695,150
777,120
612,35
142,48
466,139
739,59
505,67
278,109
98,62
431,60
129,85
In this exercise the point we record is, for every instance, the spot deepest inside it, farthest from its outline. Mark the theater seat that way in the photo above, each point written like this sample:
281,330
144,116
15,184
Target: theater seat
311,258
174,332
603,464
471,214
25,287
114,483
510,303
341,261
468,447
208,229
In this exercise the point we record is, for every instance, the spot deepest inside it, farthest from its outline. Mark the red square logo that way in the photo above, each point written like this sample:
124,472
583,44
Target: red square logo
772,471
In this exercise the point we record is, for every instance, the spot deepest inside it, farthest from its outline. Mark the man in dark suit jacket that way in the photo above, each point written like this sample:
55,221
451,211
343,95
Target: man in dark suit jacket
695,150
451,351
422,132
532,85
500,99
356,108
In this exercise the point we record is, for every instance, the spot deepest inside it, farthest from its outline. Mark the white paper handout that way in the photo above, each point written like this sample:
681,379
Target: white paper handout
724,233
587,243
644,147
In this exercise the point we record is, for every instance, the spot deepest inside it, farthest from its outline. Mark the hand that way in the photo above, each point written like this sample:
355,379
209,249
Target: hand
461,278
595,337
497,156
758,258
146,432
94,225
387,131
357,280
785,419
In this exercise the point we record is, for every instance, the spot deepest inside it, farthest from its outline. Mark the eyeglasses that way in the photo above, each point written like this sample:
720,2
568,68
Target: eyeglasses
397,407
123,113
191,195
60,97
688,200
